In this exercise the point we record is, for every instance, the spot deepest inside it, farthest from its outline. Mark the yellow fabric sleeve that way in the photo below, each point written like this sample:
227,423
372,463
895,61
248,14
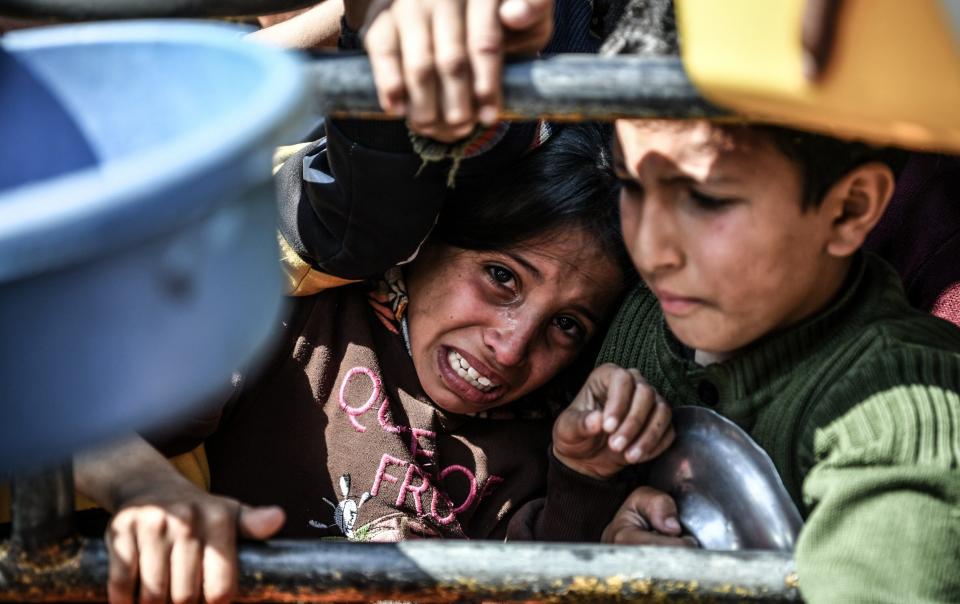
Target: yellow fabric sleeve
301,278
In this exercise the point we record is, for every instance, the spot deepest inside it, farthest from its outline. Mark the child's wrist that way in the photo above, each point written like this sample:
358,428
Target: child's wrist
148,487
581,467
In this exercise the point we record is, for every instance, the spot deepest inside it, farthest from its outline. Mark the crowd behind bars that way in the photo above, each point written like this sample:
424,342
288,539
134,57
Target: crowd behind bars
488,344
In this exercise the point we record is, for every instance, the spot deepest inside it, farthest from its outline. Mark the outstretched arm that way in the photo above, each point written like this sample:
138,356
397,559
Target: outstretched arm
316,27
168,536
363,199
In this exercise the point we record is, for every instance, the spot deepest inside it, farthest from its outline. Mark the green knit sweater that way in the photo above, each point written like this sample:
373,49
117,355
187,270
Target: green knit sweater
859,407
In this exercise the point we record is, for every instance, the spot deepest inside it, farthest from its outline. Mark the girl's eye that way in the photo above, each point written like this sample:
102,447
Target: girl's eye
707,202
500,274
570,327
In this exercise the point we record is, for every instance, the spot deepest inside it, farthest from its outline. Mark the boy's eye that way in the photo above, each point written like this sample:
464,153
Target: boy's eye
707,202
570,327
500,274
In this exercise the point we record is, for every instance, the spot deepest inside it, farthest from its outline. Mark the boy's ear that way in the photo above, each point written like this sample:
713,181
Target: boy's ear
856,202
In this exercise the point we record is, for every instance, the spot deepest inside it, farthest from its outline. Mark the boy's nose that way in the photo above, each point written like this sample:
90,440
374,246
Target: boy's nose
655,248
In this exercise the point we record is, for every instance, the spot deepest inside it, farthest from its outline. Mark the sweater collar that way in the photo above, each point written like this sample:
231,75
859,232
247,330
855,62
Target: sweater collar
737,381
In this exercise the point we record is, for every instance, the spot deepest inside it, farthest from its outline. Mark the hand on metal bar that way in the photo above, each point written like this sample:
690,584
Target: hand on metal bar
169,539
439,62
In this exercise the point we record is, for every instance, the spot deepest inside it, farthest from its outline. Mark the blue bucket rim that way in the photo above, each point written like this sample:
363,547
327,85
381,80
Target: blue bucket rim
36,220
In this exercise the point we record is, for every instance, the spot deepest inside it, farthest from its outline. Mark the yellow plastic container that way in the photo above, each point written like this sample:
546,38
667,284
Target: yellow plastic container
893,76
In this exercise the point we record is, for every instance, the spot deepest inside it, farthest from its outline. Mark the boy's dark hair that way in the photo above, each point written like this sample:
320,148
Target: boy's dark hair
824,160
649,27
567,181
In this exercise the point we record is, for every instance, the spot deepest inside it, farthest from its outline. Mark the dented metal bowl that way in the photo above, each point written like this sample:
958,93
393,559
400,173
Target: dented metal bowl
728,492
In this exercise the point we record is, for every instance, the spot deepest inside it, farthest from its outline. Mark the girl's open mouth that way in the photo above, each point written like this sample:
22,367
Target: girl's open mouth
465,380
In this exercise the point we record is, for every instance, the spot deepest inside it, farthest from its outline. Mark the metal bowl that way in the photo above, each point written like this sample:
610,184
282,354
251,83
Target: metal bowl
728,492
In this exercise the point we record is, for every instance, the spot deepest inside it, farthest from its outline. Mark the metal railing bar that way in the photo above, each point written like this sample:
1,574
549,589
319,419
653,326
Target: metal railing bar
566,87
444,571
42,508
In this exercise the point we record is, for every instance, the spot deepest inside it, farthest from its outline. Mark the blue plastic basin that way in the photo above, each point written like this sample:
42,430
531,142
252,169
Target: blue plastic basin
132,285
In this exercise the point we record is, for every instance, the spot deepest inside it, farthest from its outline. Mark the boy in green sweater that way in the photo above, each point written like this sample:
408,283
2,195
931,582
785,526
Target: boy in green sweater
758,302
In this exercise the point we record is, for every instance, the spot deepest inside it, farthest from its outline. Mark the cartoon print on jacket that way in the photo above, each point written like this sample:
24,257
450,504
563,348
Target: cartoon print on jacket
346,511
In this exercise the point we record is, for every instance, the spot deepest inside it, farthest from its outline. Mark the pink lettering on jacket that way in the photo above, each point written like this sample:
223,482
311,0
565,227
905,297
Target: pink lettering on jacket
414,482
437,496
353,412
489,485
471,480
415,447
385,421
385,462
413,490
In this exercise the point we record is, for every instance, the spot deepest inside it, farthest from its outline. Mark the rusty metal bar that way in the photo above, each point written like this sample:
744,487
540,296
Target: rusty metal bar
42,526
443,571
42,508
567,87
93,10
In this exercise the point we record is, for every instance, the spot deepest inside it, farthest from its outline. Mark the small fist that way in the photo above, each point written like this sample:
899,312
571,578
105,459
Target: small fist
647,517
616,420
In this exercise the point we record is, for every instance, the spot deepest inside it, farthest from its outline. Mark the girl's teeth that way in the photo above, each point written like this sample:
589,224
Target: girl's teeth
464,370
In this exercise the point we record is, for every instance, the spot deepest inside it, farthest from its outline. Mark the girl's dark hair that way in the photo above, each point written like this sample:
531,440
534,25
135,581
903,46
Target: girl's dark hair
567,181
